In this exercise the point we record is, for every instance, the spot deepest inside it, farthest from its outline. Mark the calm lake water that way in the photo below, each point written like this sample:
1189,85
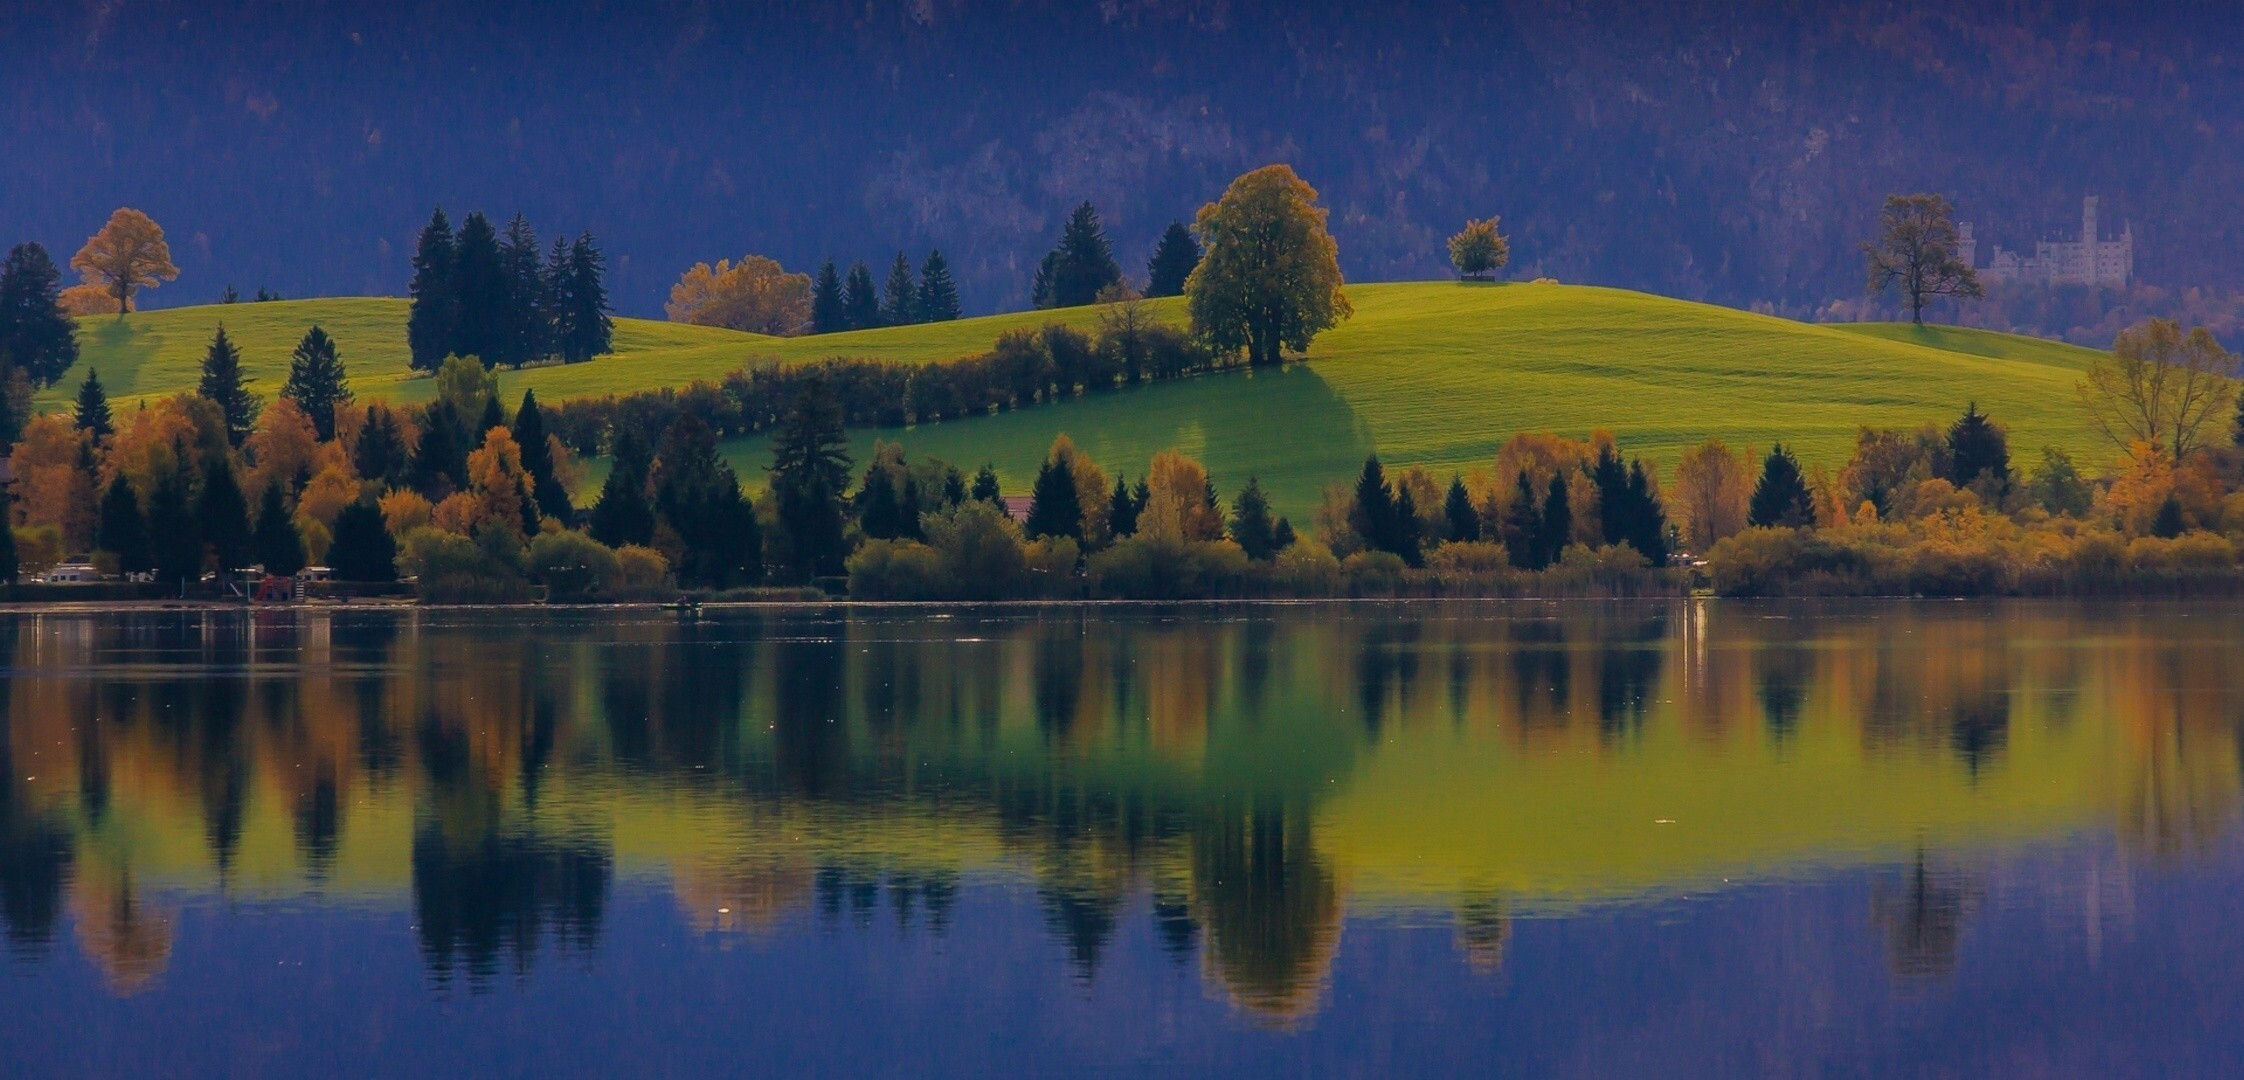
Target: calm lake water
1698,838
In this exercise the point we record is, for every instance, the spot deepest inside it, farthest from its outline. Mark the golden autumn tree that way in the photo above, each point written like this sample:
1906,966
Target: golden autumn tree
1271,277
1176,506
52,486
1713,485
129,253
2162,387
499,484
755,294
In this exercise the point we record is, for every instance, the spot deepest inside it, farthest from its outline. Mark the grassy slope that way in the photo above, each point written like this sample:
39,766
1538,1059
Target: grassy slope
1432,373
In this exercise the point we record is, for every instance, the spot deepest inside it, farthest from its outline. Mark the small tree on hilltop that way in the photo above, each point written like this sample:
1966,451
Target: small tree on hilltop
938,293
899,299
1174,259
93,414
860,299
1081,266
827,310
582,328
1917,254
479,326
1270,279
36,334
1479,250
1781,500
222,382
127,255
316,381
435,302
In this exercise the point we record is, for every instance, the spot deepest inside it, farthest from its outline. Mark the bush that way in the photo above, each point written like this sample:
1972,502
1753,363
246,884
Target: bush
641,574
1052,562
981,552
1167,568
896,570
573,567
1373,573
453,569
1306,568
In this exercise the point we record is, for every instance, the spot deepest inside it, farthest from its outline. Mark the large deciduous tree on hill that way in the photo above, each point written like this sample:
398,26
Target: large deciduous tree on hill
128,254
1271,277
2160,386
1172,263
316,381
1917,254
755,294
1479,250
36,335
435,301
1080,267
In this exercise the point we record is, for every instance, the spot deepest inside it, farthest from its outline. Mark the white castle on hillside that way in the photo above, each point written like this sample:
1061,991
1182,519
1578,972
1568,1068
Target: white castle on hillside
2091,260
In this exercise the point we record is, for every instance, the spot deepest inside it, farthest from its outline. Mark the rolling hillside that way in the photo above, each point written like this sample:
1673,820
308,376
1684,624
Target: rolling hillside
1432,372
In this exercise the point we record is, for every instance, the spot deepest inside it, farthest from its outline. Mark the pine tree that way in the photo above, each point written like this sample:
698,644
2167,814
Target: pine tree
899,303
1978,447
493,417
440,461
1648,532
1083,264
36,335
2169,523
1406,535
1251,527
316,381
1173,261
1040,288
1610,478
623,515
809,471
430,325
582,327
381,455
222,382
938,293
537,461
827,312
1523,526
275,543
528,331
1121,510
1055,506
10,567
1372,517
363,549
985,486
122,532
1458,514
222,515
1781,498
698,496
175,547
93,407
860,299
1557,521
480,325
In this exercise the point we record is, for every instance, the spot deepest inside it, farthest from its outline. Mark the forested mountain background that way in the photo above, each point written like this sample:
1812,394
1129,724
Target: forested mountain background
1712,149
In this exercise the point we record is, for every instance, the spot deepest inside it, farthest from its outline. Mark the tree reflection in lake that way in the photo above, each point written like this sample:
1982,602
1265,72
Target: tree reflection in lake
1235,783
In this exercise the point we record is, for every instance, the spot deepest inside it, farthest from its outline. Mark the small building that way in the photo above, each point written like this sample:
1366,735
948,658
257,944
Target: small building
314,573
71,573
2090,260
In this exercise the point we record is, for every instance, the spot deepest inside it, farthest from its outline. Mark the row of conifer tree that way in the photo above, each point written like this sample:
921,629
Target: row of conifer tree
494,297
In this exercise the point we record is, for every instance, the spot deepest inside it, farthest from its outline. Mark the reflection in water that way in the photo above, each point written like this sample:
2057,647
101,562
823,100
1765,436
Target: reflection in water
1242,780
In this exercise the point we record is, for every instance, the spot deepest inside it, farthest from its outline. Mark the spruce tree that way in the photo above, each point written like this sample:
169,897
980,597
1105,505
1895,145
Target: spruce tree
1613,507
381,455
537,461
1040,288
528,333
439,461
938,293
317,382
1055,506
1083,264
1173,260
36,335
698,496
827,313
222,382
883,511
429,326
1406,532
2169,523
1121,510
363,549
1458,514
479,280
1648,528
222,515
275,543
1523,526
1978,447
985,486
93,407
899,301
1251,527
582,326
11,568
175,545
860,299
122,532
493,417
1373,514
1557,522
1781,499
809,471
623,515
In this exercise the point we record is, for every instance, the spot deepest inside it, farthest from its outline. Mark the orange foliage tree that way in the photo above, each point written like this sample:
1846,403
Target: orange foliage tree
129,253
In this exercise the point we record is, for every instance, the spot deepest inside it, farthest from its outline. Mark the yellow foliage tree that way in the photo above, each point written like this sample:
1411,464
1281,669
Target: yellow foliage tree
52,486
128,254
333,487
1271,277
162,436
405,510
1091,491
1176,506
1713,485
2162,387
755,294
284,447
498,482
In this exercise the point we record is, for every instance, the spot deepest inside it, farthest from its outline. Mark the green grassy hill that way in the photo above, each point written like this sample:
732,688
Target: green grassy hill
1434,372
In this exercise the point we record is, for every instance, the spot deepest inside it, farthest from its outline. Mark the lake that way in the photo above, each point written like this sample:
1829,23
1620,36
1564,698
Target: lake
1682,838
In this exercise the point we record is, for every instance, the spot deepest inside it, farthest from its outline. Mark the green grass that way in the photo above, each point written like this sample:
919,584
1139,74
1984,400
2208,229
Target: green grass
1432,373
